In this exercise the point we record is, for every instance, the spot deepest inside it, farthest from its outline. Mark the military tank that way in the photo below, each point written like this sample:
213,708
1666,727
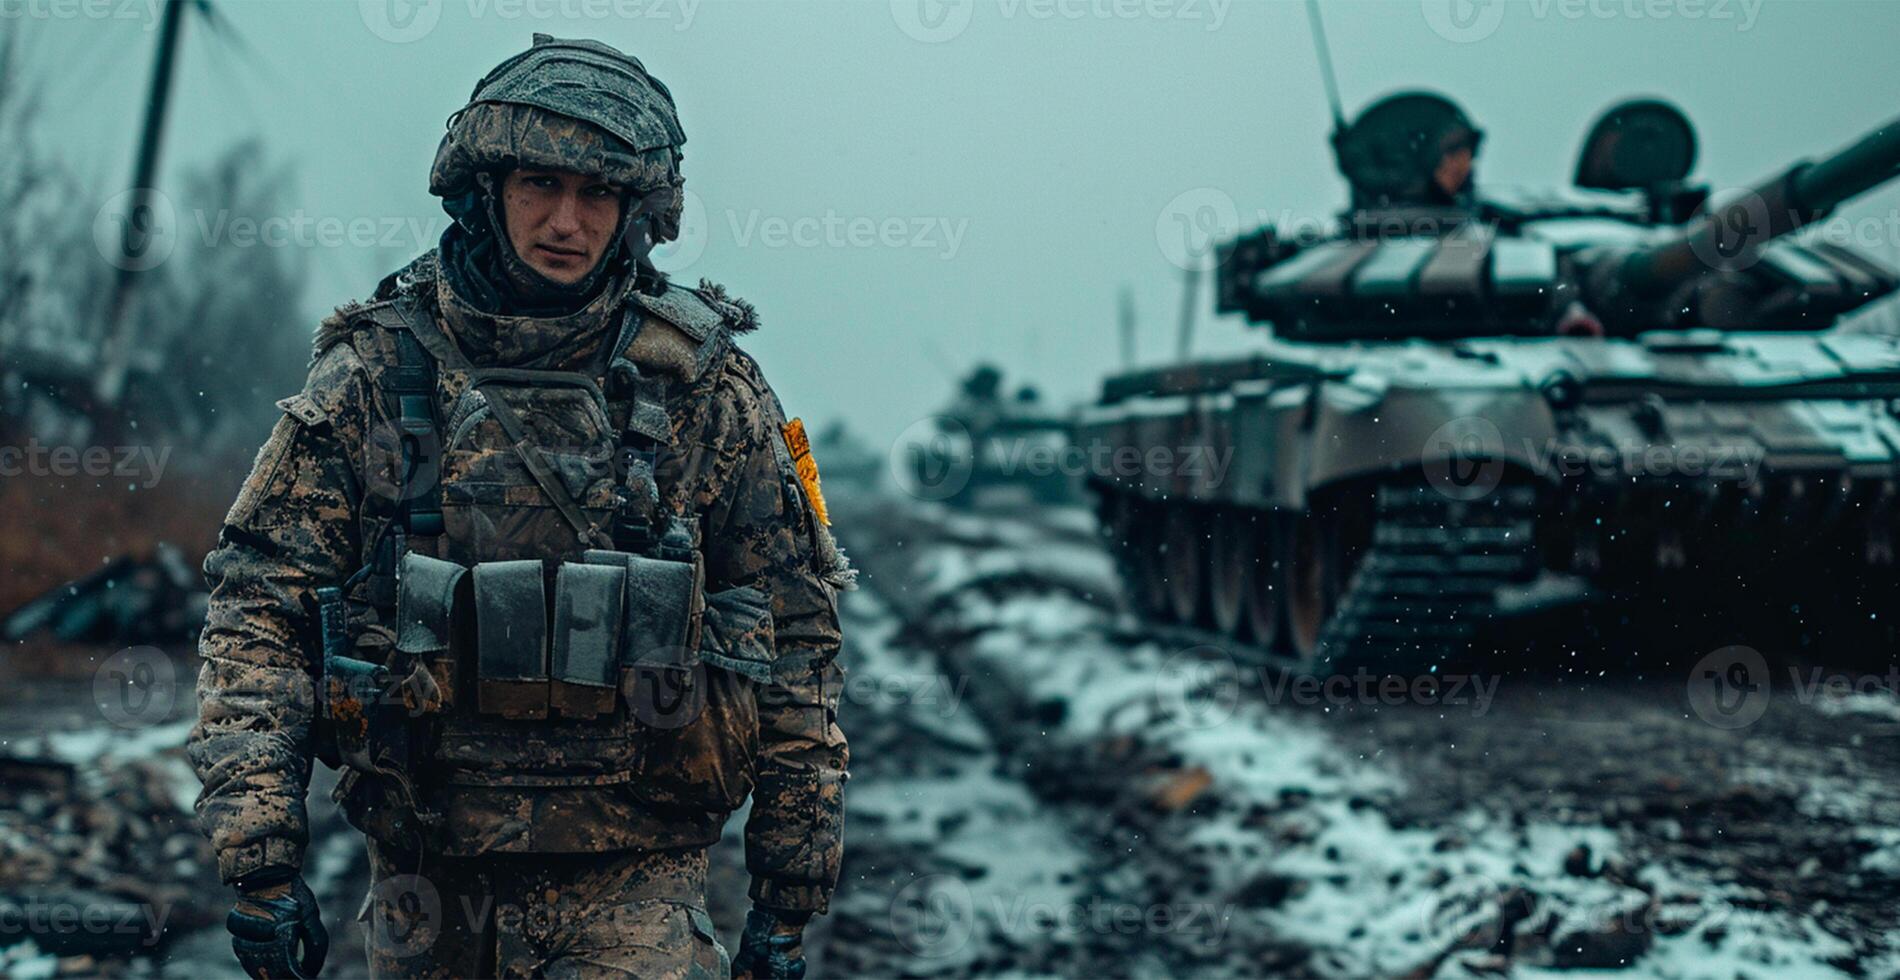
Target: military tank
1477,408
989,445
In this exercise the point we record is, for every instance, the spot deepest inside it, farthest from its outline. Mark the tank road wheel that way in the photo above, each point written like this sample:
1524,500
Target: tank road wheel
1230,552
1129,534
1308,580
1184,550
1151,576
1261,584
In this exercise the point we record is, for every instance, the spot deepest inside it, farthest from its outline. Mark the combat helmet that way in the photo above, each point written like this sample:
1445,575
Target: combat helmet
575,105
1390,152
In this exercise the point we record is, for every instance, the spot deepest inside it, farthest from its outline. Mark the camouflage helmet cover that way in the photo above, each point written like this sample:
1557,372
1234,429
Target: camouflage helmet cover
572,105
1390,152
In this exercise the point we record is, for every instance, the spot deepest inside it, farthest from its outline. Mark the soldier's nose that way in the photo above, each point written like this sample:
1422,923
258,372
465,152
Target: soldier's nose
565,219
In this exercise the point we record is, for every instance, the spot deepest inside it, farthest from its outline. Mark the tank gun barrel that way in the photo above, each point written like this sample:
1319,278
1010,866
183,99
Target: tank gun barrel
1791,200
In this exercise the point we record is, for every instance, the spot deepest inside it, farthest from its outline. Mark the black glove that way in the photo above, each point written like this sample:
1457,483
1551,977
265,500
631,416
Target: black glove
276,916
773,947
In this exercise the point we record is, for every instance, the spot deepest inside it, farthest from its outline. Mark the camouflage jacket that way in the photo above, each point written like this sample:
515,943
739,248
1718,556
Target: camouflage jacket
307,517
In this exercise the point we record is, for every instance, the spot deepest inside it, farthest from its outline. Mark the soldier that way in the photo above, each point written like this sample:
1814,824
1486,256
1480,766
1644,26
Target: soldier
1409,150
537,560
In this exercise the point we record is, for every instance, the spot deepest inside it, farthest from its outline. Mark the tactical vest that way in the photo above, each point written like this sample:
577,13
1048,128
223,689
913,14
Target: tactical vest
568,685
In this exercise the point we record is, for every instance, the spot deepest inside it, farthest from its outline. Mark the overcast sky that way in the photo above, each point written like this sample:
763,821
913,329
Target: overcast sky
906,187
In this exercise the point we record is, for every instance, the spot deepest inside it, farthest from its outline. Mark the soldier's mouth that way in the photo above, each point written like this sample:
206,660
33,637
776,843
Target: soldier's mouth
558,255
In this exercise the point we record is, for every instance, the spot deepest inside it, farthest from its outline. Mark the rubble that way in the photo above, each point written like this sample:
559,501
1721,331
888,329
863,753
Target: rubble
100,863
130,601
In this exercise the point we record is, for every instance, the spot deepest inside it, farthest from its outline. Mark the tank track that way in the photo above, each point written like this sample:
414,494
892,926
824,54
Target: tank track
1429,579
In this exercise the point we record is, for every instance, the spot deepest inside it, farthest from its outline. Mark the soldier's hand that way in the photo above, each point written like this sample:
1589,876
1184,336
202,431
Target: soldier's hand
276,930
773,947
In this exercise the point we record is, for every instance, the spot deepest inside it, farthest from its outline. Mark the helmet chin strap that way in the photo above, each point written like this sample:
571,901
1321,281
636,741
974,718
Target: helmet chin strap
640,227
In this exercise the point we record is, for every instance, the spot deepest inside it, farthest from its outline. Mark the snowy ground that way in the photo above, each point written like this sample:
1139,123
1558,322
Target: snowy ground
1041,787
1533,823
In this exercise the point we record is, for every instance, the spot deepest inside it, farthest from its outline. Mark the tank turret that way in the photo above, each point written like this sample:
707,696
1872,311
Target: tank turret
1706,274
1473,412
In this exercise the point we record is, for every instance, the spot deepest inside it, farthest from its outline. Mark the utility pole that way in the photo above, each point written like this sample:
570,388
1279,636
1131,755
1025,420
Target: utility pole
1127,318
117,351
1190,294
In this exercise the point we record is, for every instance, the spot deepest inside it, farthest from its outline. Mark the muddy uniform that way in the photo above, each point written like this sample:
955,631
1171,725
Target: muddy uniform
601,596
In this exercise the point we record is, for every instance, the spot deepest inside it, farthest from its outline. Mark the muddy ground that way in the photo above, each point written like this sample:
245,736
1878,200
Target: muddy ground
1041,787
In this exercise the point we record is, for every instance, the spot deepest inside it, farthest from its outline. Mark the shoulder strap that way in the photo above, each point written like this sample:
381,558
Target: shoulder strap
409,388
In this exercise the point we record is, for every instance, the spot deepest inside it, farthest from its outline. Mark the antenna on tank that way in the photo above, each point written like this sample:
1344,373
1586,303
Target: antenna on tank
1326,65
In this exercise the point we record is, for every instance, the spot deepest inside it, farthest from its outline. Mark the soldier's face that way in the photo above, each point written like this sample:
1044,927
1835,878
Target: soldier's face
560,223
1454,171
